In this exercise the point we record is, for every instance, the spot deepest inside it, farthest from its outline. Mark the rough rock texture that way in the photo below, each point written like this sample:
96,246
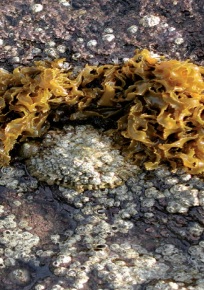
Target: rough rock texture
146,234
102,31
129,237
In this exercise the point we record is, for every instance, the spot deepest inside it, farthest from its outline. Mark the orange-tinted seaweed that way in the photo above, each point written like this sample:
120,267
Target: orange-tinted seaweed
161,100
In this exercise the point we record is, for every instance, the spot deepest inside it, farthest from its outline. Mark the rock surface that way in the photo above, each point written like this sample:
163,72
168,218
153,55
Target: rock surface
145,234
102,31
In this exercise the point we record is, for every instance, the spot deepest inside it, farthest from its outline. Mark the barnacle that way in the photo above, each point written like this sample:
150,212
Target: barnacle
79,157
157,103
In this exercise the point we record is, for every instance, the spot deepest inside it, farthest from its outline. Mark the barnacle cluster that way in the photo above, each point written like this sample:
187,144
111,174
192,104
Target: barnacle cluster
157,104
79,157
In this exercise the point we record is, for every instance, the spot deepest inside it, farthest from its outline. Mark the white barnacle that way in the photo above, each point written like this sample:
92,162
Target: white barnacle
80,157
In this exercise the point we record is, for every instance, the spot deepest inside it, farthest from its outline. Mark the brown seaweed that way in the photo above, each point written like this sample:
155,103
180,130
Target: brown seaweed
161,102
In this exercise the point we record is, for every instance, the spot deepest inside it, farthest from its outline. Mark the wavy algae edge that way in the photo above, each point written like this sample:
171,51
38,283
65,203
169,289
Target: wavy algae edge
157,104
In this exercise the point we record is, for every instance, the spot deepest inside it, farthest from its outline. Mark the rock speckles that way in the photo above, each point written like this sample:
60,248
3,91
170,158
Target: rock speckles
9,177
92,43
124,264
108,37
132,29
18,242
172,28
118,238
150,20
80,157
37,8
140,218
65,3
20,276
